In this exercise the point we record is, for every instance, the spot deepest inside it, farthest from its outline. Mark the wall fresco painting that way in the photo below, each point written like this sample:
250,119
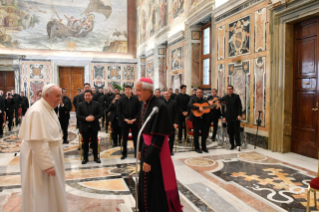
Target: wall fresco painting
239,77
150,69
86,25
177,7
260,30
177,59
162,72
176,81
239,37
260,89
35,86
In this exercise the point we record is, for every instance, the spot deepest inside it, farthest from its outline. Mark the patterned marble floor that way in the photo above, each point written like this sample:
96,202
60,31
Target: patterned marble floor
221,180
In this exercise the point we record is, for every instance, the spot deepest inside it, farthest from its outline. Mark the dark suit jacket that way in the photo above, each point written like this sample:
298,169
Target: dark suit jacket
128,109
233,107
205,117
10,103
16,99
172,110
82,113
2,106
64,112
24,102
113,112
76,101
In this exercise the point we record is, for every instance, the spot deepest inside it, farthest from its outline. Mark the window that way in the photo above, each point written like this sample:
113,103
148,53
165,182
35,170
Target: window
206,57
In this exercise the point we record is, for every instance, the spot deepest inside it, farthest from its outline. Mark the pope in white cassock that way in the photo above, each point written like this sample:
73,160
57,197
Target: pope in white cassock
41,156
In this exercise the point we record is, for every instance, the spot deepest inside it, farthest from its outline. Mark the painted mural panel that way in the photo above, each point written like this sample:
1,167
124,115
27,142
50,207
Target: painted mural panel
260,30
114,72
177,59
221,80
177,7
176,81
239,37
35,86
239,77
86,25
221,43
260,89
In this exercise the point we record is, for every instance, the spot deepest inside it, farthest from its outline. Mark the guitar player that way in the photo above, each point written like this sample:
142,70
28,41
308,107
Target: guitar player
201,123
215,113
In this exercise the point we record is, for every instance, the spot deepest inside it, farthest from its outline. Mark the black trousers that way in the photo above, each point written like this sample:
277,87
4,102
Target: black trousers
86,136
10,118
103,118
1,123
204,128
215,122
172,140
233,130
181,122
64,127
16,114
125,132
116,133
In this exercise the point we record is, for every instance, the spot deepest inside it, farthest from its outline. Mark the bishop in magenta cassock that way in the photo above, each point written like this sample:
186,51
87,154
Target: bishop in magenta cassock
157,190
41,156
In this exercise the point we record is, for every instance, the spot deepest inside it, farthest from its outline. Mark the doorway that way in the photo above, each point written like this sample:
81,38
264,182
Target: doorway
72,79
304,138
7,82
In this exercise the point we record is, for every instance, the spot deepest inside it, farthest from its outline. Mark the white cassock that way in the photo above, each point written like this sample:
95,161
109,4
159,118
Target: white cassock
41,149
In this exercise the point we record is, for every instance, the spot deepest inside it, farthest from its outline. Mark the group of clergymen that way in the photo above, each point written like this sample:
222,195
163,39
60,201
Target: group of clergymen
123,111
10,105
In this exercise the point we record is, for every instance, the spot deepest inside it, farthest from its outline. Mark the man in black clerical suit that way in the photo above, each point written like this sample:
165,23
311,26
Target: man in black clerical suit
24,103
128,110
173,115
75,103
64,114
16,99
232,116
9,103
173,96
89,112
114,119
182,101
215,113
87,86
2,110
106,102
201,123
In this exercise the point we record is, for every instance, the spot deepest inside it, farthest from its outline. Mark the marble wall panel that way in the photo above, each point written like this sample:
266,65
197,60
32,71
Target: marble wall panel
239,77
129,72
260,30
98,72
195,64
143,70
221,43
259,90
114,72
162,72
239,37
221,80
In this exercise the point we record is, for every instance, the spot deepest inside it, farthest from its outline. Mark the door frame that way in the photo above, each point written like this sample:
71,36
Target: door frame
74,63
282,19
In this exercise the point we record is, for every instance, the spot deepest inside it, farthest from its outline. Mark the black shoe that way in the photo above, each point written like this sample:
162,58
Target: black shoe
199,151
123,157
205,150
97,160
84,161
231,148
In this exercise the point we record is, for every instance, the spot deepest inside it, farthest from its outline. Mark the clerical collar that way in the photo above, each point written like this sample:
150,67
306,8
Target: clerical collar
129,97
88,102
167,100
149,99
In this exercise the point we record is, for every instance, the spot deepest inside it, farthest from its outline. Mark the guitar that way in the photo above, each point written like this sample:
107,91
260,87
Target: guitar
206,107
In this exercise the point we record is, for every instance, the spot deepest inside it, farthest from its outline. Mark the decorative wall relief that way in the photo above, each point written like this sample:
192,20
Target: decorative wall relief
114,72
177,59
239,37
161,72
35,86
129,73
221,80
98,71
161,51
195,35
260,30
150,68
239,77
36,71
221,43
176,81
260,89
195,64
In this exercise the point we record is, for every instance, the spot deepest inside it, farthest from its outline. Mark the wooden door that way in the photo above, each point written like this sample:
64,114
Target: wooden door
305,101
7,82
72,79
